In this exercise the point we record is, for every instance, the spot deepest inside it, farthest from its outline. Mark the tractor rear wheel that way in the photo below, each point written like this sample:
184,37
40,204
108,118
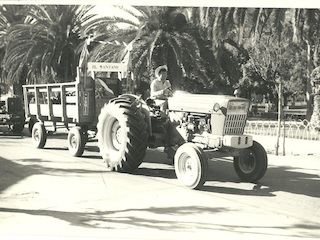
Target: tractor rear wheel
76,141
252,163
122,134
191,165
39,135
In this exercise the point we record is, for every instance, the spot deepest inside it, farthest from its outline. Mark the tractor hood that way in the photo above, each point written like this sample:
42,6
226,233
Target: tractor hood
205,103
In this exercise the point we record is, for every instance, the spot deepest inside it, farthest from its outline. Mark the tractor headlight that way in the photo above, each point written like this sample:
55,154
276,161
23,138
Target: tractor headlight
216,107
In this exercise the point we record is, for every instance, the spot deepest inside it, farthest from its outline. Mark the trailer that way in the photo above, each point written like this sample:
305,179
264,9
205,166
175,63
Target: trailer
73,105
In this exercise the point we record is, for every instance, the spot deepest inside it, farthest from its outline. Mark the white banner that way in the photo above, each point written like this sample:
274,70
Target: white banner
107,67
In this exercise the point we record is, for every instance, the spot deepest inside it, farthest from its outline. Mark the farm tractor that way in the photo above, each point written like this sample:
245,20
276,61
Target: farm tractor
194,127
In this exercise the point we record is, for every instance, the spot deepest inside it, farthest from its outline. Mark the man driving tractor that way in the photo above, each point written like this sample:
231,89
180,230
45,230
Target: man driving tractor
160,88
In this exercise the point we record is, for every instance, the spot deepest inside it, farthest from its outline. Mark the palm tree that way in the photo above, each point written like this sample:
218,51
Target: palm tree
9,16
233,31
157,35
44,49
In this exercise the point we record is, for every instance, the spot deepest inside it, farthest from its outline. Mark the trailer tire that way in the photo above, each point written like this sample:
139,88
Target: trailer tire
39,135
251,165
191,165
76,141
122,134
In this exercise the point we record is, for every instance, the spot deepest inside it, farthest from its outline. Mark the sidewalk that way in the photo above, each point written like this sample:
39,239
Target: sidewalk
292,146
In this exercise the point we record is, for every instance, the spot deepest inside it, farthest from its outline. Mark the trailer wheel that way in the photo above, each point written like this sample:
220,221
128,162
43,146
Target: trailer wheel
252,163
191,165
76,141
122,134
39,135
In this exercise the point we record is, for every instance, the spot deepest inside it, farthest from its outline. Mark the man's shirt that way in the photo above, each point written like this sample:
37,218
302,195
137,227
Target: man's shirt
157,86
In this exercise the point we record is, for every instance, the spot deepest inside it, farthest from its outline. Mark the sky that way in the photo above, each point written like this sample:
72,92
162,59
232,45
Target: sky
109,10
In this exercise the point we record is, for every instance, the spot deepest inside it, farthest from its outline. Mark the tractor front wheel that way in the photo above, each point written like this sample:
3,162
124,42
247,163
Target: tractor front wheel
252,163
191,165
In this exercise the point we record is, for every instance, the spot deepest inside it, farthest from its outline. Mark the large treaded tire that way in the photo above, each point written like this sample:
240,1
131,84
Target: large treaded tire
251,165
122,134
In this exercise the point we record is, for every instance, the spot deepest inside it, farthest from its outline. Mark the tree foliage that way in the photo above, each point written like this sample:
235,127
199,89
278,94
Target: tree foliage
44,48
156,36
207,49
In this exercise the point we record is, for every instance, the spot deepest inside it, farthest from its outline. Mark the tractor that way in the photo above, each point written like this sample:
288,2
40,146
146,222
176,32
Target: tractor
194,127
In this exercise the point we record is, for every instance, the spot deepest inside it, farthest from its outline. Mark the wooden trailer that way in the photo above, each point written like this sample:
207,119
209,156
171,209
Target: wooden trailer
74,105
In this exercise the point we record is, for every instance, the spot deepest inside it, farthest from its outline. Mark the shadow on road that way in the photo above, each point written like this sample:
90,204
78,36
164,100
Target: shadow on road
12,173
133,218
156,172
127,217
277,178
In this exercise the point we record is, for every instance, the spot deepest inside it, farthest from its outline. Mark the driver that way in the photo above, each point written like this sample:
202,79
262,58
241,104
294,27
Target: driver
160,88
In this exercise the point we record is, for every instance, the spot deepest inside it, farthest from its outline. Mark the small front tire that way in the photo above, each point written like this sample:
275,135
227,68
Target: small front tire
191,165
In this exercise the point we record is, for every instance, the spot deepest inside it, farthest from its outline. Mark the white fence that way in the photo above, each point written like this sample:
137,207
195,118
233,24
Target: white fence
292,129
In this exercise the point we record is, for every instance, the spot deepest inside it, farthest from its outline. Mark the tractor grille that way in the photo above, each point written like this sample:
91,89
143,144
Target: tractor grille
234,124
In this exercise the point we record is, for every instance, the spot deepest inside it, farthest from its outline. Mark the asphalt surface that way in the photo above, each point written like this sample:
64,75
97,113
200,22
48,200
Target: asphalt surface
46,193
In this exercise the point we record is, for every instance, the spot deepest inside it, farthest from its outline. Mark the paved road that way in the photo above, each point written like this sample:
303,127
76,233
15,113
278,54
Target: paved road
49,193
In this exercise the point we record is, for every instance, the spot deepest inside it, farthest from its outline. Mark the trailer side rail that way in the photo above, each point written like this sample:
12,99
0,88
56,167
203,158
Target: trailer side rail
52,102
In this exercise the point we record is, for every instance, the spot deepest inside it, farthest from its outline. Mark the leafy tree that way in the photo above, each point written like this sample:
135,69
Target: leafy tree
44,49
306,32
9,16
157,35
222,30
